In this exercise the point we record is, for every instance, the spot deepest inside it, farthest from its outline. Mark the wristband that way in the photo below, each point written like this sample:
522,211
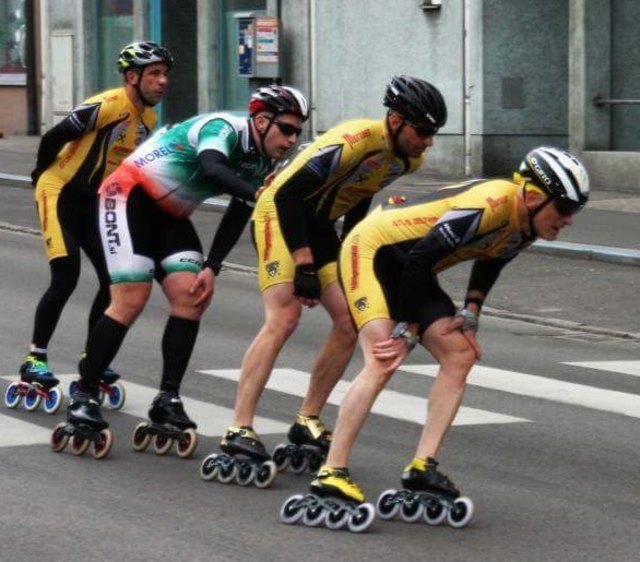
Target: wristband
473,300
401,331
470,321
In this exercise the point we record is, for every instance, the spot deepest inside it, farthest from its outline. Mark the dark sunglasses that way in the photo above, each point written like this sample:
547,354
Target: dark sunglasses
423,130
565,207
287,129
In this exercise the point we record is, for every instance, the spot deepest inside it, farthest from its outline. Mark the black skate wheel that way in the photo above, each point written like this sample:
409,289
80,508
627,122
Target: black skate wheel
292,509
280,457
299,462
337,519
209,468
103,444
362,519
435,513
227,471
461,513
411,509
265,474
59,438
387,506
314,515
187,444
245,474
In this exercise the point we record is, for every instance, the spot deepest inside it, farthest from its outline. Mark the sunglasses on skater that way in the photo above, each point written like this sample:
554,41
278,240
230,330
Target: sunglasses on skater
423,129
565,207
287,129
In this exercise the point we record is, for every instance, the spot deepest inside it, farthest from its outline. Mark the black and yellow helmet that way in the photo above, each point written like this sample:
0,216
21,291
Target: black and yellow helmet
143,53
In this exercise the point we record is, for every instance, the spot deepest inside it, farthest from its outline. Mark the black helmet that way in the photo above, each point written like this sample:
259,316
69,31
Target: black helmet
558,173
142,53
418,101
279,99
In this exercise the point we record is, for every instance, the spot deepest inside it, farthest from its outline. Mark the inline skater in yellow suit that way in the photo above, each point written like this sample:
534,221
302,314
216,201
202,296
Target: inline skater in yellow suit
73,159
297,244
388,268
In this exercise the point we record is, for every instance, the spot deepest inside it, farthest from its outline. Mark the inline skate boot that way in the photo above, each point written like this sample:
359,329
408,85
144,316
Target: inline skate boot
169,423
426,493
308,445
109,387
243,459
335,501
37,385
84,425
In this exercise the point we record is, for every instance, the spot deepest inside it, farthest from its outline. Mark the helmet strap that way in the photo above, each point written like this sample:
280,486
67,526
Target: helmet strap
533,212
394,136
261,136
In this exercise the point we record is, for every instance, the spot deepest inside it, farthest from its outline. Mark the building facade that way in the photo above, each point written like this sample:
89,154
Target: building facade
515,73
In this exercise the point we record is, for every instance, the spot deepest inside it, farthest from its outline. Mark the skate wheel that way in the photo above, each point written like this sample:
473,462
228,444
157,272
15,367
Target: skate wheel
245,474
265,474
140,439
280,457
411,509
12,395
362,519
32,400
52,403
59,438
73,388
299,462
314,515
435,513
227,471
187,444
162,444
292,509
209,468
387,506
461,513
337,519
116,396
103,444
79,445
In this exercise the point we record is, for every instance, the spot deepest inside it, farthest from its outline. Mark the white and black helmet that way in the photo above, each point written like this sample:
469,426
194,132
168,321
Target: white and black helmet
558,173
279,99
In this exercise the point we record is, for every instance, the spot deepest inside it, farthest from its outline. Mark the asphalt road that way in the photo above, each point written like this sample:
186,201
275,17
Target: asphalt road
548,449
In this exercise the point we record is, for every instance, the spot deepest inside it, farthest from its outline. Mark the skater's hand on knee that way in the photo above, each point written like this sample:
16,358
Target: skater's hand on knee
203,287
454,325
390,349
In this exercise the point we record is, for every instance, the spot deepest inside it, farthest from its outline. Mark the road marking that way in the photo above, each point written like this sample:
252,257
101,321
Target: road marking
390,403
17,432
624,367
212,420
548,389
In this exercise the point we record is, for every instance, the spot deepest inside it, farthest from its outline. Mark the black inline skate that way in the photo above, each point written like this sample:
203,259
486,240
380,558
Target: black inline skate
169,423
308,445
37,385
109,387
428,494
335,501
244,459
85,425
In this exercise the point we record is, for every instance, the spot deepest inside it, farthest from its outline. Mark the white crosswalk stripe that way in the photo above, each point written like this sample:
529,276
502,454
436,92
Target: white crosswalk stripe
545,388
624,367
390,403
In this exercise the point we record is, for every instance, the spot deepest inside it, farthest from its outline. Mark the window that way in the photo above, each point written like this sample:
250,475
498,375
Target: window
13,43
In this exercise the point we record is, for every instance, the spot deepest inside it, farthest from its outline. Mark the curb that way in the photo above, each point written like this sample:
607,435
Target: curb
488,311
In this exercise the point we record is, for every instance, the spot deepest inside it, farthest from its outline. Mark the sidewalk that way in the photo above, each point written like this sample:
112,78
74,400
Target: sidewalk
608,230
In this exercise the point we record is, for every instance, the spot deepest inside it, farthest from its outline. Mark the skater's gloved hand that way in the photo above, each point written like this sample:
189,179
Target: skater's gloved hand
456,324
306,284
202,288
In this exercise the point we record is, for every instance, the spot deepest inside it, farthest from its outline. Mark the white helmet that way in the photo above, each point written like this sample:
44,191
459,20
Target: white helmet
558,173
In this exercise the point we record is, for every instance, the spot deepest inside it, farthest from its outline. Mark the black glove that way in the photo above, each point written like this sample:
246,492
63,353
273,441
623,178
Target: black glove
306,283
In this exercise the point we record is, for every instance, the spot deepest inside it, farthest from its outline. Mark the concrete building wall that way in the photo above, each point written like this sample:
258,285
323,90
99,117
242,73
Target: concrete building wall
13,110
